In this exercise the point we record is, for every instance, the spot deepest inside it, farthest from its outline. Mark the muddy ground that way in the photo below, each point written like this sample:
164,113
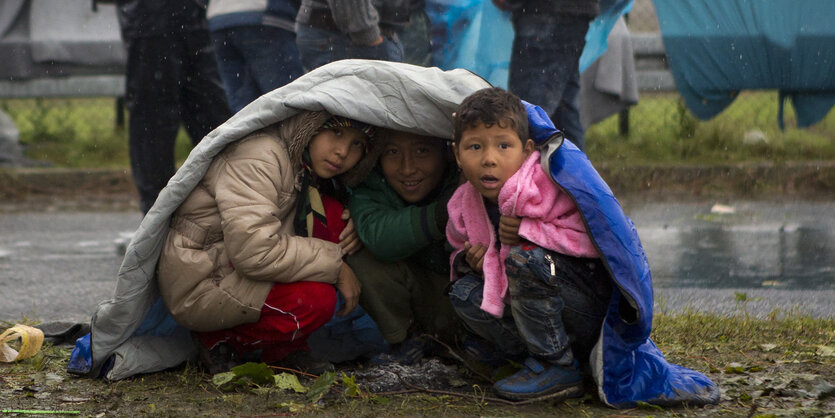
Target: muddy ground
767,381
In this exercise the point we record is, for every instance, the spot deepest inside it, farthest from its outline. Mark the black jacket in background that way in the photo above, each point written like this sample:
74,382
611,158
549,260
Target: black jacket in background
145,18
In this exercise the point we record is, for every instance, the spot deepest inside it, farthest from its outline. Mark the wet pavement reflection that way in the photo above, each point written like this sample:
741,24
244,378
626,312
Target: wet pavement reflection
789,256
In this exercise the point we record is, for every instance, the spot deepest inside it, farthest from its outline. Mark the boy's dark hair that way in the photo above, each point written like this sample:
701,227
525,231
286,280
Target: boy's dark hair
488,107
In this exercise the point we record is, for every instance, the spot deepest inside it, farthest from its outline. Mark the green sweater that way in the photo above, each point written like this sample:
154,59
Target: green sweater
394,230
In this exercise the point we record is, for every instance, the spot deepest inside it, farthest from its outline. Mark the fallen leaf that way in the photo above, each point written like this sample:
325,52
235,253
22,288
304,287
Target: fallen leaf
734,368
825,351
351,387
292,406
289,381
222,379
320,386
73,399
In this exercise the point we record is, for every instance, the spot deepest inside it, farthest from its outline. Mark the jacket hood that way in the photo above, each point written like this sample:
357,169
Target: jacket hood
303,126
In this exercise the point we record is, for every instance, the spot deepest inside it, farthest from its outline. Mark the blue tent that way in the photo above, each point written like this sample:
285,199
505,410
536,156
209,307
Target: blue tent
717,48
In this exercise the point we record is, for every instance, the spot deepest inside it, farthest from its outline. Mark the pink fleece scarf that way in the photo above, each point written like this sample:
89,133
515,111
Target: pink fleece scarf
550,219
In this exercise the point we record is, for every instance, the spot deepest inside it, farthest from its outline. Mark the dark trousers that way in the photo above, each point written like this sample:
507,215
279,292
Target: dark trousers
544,67
403,296
553,315
171,80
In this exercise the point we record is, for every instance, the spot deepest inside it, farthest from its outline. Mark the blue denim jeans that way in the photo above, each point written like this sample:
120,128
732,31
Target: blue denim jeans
318,47
254,60
544,67
553,317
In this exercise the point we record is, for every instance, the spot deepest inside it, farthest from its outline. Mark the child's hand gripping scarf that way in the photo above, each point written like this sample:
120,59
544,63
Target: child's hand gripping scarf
550,220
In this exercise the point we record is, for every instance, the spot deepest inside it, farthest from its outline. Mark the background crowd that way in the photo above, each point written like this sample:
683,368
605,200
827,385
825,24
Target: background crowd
185,57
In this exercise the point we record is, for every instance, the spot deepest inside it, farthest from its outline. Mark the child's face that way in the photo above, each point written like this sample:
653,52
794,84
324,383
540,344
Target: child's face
413,165
490,156
334,151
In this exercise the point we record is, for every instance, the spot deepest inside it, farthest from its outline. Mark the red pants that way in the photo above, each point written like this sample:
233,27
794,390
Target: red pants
290,314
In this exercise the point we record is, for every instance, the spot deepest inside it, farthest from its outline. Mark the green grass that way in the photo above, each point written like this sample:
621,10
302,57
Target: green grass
662,130
76,133
83,133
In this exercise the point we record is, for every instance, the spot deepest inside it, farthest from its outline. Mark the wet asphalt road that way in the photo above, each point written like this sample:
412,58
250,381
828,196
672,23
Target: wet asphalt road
762,257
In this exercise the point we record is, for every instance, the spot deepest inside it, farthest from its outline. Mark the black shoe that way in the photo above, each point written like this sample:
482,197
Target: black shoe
303,361
220,358
407,353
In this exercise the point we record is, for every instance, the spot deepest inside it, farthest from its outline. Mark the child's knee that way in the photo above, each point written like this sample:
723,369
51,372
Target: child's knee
466,290
520,255
319,303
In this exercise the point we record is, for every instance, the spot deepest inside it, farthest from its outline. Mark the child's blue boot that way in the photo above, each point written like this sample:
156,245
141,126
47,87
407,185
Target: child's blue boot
538,379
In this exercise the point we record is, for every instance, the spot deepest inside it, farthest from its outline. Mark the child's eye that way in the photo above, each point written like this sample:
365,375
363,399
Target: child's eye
422,151
337,131
391,151
504,146
359,144
475,147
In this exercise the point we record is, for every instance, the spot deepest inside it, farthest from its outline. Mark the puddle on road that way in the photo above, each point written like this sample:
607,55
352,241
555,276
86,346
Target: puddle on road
788,257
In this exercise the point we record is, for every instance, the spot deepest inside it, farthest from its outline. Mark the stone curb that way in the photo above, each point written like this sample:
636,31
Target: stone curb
749,180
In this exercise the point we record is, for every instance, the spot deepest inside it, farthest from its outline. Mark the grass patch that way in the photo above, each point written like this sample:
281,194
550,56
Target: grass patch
662,130
765,367
83,133
76,133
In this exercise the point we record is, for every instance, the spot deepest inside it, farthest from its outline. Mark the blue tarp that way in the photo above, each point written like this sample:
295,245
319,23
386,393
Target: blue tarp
475,35
716,48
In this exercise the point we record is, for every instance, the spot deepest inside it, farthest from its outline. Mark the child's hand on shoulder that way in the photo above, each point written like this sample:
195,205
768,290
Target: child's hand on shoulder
349,239
474,256
509,230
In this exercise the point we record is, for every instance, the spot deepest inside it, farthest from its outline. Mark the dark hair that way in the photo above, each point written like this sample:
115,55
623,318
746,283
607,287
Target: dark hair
488,107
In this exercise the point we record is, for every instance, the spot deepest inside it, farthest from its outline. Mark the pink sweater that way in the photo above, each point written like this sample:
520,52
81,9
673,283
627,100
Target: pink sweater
550,219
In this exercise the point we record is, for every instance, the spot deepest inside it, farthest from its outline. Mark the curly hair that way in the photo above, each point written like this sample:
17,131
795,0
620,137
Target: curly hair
488,107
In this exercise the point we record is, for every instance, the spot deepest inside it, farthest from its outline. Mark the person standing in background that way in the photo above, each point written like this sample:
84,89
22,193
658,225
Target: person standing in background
255,44
416,36
333,30
171,79
544,63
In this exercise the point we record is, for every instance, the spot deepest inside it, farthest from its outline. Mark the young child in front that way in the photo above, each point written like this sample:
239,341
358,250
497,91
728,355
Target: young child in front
526,276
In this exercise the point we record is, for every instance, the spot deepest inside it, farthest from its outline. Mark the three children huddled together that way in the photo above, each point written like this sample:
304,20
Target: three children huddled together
271,234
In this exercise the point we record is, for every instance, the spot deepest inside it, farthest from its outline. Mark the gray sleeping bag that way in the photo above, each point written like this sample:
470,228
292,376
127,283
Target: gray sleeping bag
392,95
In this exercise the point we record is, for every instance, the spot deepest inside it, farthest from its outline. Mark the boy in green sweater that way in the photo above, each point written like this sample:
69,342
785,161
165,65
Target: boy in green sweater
400,215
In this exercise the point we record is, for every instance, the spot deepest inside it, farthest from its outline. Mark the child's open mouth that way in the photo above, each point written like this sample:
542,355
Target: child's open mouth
489,182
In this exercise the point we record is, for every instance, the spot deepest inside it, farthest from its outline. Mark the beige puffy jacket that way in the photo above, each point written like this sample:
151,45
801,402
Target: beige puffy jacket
233,236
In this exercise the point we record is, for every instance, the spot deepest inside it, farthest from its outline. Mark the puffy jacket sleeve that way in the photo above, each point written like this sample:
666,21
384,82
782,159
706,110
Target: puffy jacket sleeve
253,200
